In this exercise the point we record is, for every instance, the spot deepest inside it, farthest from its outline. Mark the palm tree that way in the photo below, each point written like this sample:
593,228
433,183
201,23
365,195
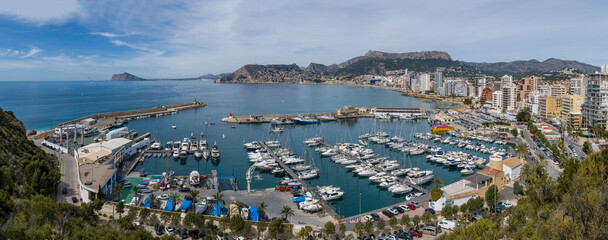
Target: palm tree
136,190
176,198
194,194
118,189
287,212
261,208
219,198
438,182
521,149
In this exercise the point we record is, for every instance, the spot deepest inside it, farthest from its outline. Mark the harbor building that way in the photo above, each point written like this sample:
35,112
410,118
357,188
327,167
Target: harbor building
348,112
497,100
557,90
571,110
550,108
486,96
595,107
508,98
526,86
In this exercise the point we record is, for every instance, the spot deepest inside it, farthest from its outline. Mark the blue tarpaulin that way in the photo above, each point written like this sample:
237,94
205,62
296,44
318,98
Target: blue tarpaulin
170,206
148,201
217,210
254,215
186,205
299,199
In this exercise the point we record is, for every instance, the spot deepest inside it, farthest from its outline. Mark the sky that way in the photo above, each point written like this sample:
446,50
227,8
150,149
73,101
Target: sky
83,39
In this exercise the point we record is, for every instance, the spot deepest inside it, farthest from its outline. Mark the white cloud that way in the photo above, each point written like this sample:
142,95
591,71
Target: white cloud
113,35
40,11
33,52
7,52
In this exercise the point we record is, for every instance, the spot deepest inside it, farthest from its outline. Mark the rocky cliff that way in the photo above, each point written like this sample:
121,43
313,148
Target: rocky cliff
126,77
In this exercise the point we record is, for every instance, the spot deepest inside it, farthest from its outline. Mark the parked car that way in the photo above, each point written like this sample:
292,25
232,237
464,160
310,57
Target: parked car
194,234
430,230
74,199
501,207
411,206
65,191
393,211
169,230
432,211
159,229
404,235
400,209
414,203
184,189
163,196
447,224
415,233
405,207
387,213
182,233
368,218
375,216
508,204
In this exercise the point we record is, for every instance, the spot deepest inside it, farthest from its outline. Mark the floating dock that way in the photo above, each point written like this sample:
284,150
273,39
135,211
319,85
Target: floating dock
328,207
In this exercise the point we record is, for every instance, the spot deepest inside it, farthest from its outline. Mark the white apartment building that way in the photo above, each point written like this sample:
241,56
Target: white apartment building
497,99
509,97
578,85
595,107
506,80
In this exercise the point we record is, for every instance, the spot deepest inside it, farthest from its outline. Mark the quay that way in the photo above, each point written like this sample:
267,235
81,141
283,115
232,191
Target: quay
328,207
105,120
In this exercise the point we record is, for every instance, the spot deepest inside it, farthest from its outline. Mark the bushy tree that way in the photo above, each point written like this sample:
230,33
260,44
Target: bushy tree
342,229
329,229
517,189
380,225
236,223
392,222
358,228
416,220
405,220
303,233
276,228
369,227
492,195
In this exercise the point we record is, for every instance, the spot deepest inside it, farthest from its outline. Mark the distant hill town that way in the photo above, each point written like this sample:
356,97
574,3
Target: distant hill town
383,63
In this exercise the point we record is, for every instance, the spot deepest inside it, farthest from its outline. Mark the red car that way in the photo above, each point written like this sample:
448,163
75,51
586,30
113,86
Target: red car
283,188
415,233
411,206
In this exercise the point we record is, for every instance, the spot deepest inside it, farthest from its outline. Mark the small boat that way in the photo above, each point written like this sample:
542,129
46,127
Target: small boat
198,154
173,126
467,171
183,154
195,178
192,136
279,172
176,154
276,129
327,118
201,207
215,152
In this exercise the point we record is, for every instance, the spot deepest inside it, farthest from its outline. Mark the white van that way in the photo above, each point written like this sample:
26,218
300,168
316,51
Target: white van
447,224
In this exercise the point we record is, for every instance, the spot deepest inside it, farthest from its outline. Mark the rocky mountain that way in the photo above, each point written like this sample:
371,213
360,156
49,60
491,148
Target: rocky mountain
551,64
126,77
373,62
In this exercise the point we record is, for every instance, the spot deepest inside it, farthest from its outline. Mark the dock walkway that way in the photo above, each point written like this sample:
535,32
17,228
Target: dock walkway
328,207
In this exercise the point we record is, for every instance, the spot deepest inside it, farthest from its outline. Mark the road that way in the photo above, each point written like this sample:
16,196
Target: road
69,174
552,169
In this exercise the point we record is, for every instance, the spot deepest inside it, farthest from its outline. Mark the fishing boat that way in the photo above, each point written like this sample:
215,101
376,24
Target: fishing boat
306,120
329,193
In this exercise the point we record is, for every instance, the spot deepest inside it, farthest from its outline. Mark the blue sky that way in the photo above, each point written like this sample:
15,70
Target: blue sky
82,39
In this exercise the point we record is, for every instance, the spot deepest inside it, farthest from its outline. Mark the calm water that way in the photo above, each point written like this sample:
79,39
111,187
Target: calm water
42,104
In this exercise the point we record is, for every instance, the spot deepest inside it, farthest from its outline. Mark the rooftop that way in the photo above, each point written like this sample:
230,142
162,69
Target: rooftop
97,173
92,156
112,144
488,171
512,162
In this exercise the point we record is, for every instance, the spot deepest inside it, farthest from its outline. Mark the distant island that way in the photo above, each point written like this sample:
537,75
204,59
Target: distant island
130,77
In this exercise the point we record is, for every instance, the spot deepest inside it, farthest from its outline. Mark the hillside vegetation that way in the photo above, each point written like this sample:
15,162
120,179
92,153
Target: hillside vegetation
28,178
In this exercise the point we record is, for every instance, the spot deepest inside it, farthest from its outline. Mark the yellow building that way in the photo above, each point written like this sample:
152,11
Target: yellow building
550,108
571,110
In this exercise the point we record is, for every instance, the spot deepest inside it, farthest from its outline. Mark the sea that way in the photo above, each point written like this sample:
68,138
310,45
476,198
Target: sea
43,104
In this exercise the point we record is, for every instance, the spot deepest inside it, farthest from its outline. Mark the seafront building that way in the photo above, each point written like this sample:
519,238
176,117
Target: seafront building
486,96
578,85
456,87
557,90
550,108
595,107
438,81
571,110
508,98
526,86
497,99
506,80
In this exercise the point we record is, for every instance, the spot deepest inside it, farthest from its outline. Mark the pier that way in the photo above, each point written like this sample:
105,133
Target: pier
268,118
328,207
